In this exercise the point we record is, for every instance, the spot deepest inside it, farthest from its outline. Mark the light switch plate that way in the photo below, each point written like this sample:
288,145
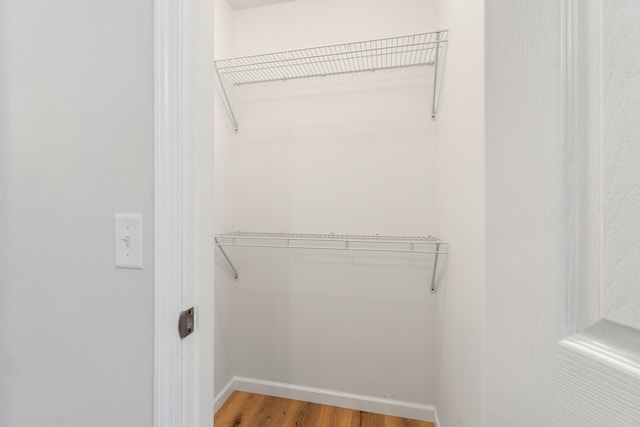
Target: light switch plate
128,240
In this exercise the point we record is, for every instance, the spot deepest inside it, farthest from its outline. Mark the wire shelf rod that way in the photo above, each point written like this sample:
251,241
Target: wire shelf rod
331,237
284,79
335,56
431,37
347,247
284,70
340,242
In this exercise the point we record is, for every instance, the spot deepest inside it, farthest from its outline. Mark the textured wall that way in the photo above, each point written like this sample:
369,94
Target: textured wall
621,152
599,369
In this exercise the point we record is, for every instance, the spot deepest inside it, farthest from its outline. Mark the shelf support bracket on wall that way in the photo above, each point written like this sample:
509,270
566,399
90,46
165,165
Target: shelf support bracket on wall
436,75
226,257
435,268
225,97
434,105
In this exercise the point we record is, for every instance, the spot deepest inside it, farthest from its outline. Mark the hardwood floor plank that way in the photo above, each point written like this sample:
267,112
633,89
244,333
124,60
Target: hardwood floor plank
416,423
230,409
311,417
254,410
390,421
335,416
250,416
244,411
295,413
368,419
273,412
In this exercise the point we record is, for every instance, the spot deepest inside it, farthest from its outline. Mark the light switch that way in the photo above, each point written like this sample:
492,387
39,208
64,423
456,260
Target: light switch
128,240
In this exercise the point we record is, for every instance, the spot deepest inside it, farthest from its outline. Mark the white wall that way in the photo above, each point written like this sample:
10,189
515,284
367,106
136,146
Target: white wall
223,204
528,253
307,23
350,154
76,146
460,211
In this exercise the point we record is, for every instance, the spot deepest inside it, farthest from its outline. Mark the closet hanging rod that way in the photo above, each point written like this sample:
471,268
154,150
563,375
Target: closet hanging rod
243,245
358,243
372,55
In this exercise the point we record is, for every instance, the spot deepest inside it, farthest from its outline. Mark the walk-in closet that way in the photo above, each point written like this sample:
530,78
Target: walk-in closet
336,200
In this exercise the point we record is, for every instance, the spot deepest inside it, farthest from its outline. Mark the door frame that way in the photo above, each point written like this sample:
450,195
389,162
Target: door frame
183,164
167,371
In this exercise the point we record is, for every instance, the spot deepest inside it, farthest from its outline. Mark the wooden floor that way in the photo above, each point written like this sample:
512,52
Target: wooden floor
256,410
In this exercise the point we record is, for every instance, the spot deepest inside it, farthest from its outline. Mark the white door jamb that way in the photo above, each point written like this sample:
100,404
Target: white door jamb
168,374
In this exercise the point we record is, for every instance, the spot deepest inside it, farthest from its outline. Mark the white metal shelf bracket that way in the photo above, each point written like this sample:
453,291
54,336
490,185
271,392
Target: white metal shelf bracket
435,269
377,243
434,102
226,257
372,55
225,98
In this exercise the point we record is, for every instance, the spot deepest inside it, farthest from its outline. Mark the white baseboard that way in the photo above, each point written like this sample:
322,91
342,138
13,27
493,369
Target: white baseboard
358,402
222,397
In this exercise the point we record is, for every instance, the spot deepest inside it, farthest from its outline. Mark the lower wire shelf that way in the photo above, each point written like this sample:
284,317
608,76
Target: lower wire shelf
342,242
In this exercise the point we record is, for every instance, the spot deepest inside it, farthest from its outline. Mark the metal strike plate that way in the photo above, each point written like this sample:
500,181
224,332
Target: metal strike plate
186,323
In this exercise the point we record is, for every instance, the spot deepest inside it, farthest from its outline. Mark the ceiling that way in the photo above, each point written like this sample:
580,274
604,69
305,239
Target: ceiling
243,4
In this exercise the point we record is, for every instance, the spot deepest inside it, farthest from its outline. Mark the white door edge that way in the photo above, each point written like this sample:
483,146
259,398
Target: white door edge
168,375
183,224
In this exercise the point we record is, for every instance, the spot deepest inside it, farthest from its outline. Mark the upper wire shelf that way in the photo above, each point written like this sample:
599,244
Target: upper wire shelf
331,241
372,55
345,242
